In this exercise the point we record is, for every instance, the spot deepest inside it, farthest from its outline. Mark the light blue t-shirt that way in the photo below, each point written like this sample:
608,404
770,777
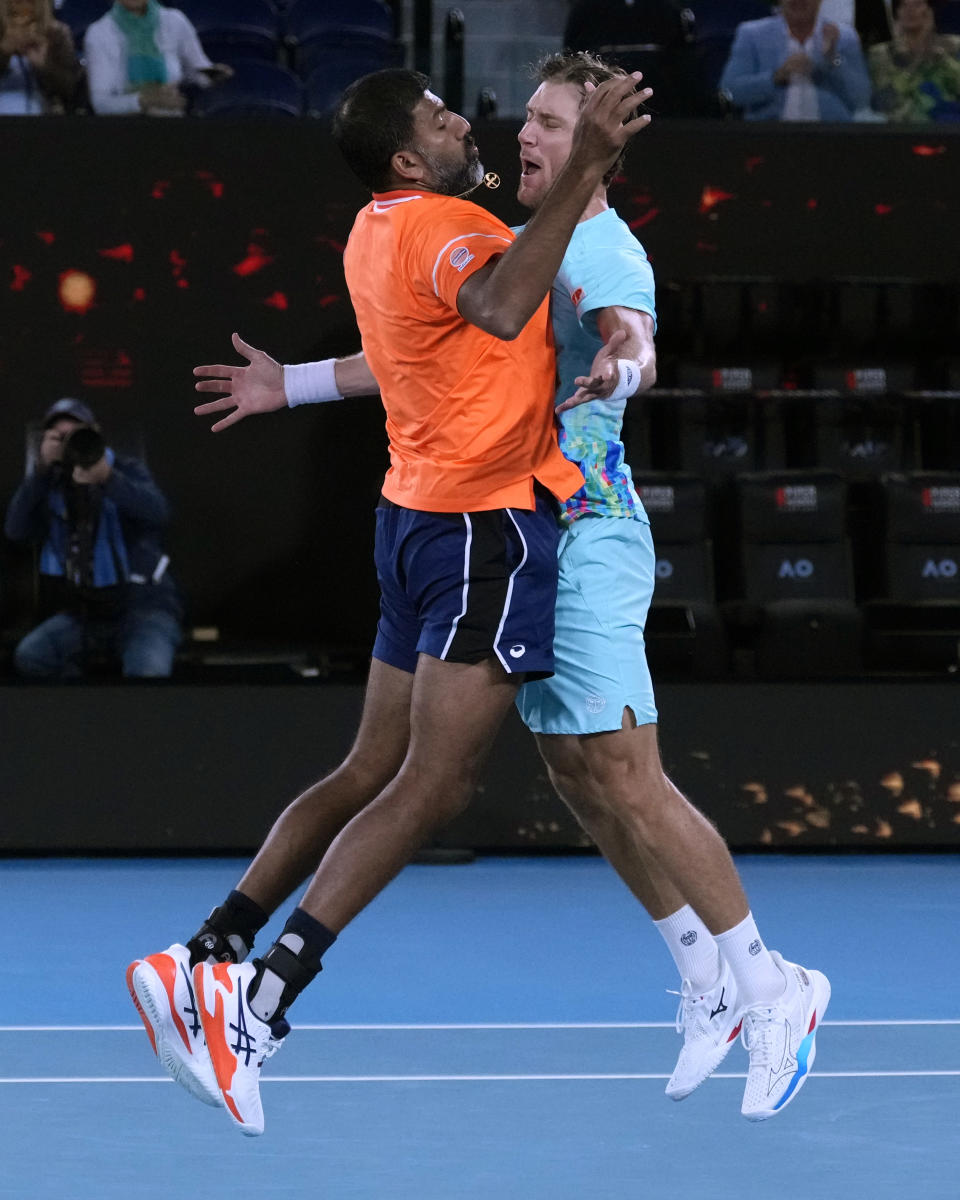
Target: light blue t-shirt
604,265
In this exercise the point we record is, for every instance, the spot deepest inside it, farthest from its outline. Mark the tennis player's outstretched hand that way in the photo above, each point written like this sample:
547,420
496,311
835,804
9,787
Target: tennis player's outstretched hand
255,388
609,119
604,375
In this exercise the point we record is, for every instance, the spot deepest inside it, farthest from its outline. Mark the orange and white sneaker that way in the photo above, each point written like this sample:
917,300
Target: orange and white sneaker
161,988
238,1041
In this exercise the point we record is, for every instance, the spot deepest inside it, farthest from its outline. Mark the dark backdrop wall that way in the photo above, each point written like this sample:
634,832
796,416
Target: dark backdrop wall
130,250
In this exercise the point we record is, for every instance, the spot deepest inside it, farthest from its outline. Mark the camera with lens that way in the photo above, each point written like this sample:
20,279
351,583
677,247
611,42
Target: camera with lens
84,447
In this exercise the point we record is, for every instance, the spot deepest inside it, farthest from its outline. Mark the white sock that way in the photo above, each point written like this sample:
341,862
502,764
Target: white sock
758,977
692,946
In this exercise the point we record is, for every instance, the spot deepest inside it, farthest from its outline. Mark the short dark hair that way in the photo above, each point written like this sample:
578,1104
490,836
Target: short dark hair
580,67
374,120
898,4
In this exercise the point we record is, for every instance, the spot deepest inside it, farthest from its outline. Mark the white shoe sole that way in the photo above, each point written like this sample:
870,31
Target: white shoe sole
681,1093
152,997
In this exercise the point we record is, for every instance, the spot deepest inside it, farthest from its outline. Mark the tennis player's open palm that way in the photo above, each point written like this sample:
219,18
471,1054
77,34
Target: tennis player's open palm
255,388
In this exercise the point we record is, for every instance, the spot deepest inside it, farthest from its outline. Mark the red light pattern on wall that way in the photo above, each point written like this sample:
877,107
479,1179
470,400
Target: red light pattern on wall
278,300
256,259
106,368
21,277
179,265
710,197
77,291
122,253
214,185
47,236
160,189
922,150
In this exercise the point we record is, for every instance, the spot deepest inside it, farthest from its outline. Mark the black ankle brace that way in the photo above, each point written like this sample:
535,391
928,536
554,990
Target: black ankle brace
294,974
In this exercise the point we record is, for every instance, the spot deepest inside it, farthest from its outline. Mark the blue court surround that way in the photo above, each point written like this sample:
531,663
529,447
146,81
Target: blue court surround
552,1091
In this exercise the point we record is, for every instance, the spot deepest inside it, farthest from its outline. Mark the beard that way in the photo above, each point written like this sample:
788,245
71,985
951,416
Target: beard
454,178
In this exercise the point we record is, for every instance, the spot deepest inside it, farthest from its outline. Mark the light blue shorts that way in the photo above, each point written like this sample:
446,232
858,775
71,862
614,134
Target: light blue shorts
606,585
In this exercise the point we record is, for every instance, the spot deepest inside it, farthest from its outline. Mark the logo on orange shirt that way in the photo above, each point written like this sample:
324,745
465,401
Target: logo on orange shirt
460,257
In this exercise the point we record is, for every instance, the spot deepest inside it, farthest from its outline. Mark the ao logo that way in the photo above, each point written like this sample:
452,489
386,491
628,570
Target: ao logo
946,568
664,568
801,569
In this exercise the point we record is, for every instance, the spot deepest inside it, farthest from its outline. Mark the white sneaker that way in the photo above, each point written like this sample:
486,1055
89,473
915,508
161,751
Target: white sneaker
781,1040
239,1042
161,988
710,1025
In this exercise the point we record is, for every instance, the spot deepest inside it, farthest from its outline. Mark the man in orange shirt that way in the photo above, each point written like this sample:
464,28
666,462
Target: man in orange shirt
466,555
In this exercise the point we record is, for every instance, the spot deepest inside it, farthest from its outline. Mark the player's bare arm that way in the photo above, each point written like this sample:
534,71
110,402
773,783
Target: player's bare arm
501,297
258,387
627,334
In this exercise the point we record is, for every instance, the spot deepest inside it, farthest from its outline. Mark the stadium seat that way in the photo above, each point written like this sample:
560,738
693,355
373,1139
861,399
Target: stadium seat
240,29
310,26
256,89
685,634
796,587
915,625
336,67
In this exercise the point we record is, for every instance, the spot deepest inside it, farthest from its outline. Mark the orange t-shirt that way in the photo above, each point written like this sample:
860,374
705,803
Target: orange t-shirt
469,416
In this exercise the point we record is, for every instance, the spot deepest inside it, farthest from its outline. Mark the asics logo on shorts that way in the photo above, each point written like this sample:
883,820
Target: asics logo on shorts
517,651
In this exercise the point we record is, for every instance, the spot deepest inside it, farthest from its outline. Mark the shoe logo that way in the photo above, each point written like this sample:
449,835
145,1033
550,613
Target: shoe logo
788,1065
244,1044
190,1008
208,941
755,947
689,937
721,1007
517,651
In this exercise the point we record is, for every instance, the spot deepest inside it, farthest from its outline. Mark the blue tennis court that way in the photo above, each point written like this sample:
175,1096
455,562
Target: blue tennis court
500,1028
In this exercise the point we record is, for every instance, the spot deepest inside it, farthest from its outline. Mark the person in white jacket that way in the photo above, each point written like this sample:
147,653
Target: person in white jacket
139,54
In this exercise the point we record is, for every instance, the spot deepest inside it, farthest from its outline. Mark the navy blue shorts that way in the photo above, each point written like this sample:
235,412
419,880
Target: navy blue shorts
463,587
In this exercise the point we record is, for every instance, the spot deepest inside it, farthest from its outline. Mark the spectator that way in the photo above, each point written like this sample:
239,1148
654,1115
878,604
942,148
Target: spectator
140,58
916,77
97,517
39,71
796,67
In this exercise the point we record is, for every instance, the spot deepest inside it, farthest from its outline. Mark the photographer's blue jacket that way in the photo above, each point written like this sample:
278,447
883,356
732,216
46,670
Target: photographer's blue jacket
127,548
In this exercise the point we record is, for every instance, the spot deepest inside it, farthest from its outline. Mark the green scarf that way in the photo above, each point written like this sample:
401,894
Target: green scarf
144,61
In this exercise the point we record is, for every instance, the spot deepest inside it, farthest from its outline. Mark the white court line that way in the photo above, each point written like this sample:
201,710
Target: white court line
427,1028
560,1078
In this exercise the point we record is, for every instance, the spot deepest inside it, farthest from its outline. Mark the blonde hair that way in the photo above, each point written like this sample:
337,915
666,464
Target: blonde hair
42,13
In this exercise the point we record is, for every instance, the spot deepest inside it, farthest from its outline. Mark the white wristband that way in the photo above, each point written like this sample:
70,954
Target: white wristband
311,383
630,376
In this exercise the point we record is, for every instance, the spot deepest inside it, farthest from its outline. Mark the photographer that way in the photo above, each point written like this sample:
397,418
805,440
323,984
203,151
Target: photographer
97,517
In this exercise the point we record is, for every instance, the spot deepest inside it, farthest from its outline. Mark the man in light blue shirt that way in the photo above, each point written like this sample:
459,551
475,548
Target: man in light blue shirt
796,66
595,718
